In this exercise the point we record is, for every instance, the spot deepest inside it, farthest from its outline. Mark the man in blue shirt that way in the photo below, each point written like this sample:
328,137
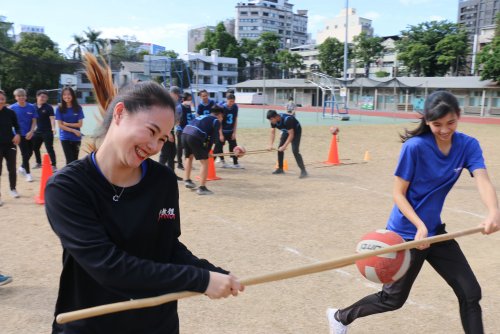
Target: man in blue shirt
205,105
45,129
26,117
291,132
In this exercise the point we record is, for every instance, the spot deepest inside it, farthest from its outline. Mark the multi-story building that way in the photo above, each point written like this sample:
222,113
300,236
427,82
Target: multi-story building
335,27
197,35
211,72
255,17
474,15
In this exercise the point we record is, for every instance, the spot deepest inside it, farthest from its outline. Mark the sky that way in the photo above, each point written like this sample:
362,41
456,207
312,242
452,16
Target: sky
166,22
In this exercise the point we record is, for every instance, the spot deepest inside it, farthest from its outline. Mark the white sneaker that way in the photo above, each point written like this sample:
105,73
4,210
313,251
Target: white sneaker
336,327
238,166
14,193
218,160
29,178
225,165
22,171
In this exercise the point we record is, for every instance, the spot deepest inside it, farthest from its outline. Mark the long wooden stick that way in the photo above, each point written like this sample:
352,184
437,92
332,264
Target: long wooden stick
271,277
227,154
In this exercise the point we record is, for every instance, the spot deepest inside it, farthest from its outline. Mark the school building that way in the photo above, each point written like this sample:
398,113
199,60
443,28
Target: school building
394,94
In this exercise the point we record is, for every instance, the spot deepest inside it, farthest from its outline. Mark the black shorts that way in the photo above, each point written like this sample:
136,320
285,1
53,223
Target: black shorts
195,146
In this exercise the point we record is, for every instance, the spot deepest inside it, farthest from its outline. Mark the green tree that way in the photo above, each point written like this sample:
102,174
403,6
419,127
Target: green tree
268,45
248,55
220,40
419,51
78,47
367,50
331,57
452,51
169,54
95,44
35,63
6,42
489,57
288,62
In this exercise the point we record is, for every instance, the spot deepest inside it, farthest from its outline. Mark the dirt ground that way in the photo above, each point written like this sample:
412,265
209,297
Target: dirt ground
257,223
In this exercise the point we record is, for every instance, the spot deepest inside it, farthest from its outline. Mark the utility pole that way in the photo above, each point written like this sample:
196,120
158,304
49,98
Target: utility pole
345,52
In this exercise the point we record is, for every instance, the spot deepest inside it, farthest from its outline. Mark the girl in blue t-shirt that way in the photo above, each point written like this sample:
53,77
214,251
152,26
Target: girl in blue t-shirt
431,160
69,116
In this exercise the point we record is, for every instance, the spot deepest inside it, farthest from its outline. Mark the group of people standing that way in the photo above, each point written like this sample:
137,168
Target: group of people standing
27,126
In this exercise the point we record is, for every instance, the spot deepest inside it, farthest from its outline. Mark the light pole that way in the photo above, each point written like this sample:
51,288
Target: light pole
345,52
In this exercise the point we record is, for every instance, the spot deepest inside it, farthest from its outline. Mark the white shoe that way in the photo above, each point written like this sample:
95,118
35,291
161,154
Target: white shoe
14,193
218,160
238,166
29,178
225,165
336,327
22,171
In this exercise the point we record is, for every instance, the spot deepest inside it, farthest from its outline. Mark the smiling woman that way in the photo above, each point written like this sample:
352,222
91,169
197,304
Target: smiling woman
116,213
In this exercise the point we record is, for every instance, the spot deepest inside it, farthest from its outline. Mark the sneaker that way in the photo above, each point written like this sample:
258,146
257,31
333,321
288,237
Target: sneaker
202,190
238,166
29,178
37,166
179,178
225,165
14,193
303,174
218,160
180,166
279,171
22,171
336,327
189,184
5,279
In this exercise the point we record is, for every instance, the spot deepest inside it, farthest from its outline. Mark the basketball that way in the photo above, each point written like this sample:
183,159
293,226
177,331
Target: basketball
385,268
239,151
334,130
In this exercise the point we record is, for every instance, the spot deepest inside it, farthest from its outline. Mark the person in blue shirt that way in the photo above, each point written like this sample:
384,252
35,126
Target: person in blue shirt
186,115
229,126
9,139
205,105
197,138
291,132
45,129
432,158
26,116
69,116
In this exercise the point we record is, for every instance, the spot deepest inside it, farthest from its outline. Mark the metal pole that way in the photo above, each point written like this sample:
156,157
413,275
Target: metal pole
345,50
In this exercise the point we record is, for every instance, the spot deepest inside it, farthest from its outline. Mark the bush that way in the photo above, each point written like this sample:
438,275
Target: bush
382,74
90,100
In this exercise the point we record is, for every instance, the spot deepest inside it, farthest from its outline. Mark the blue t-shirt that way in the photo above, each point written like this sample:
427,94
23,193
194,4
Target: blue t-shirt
204,127
230,115
431,175
70,116
287,122
204,109
25,116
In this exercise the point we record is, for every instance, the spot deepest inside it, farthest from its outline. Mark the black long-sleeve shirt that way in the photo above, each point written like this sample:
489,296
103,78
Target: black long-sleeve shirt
8,123
115,251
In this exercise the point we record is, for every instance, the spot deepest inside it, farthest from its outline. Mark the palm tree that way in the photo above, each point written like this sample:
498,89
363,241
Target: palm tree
94,43
77,47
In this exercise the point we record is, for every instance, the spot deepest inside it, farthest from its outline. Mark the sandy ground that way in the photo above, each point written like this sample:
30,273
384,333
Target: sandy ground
258,223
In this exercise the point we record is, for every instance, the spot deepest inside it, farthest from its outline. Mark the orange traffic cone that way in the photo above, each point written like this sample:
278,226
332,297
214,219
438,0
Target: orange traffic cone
46,174
285,165
333,155
212,175
367,156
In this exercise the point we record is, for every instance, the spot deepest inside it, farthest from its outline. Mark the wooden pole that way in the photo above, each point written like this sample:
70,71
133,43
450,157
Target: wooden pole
266,278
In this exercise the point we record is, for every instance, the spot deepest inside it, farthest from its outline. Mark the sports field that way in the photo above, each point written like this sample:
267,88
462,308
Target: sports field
257,223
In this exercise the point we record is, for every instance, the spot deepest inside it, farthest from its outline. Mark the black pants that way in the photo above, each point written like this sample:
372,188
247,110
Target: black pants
178,133
450,263
167,154
71,150
295,149
46,137
9,152
219,146
26,147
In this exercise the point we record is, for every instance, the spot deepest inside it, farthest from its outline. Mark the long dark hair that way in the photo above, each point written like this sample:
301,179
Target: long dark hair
136,97
74,102
436,106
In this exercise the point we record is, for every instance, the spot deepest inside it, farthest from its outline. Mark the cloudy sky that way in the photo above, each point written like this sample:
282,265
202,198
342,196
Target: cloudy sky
166,22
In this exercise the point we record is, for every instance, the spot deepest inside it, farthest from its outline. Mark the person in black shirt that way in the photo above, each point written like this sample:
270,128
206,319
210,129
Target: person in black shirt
45,129
291,132
116,213
9,139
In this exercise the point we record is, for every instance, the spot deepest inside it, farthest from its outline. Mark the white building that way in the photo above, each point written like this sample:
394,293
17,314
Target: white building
336,27
211,72
255,17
